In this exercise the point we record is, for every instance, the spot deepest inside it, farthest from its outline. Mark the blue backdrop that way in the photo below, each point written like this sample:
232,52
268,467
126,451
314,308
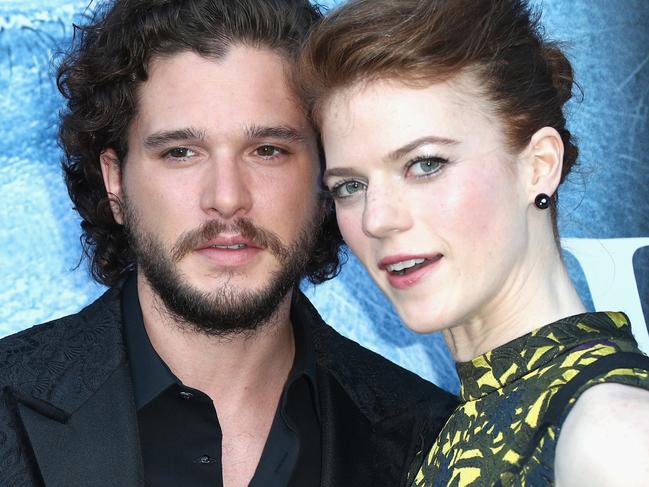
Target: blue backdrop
604,206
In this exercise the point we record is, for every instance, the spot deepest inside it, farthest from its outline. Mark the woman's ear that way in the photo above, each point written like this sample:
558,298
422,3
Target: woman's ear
111,171
544,156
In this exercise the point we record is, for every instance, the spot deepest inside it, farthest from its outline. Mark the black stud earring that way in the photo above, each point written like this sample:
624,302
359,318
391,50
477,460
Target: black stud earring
542,201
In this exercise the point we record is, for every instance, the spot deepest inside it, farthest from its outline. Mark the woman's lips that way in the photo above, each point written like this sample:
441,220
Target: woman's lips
406,271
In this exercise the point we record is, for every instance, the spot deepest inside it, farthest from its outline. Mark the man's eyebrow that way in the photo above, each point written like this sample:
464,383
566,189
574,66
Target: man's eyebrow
281,132
159,139
410,146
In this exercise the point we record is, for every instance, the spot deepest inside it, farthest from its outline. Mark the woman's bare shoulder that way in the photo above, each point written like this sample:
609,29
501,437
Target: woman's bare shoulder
605,438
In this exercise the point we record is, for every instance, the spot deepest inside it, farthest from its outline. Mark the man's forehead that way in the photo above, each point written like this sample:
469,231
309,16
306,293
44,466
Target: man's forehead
247,89
237,61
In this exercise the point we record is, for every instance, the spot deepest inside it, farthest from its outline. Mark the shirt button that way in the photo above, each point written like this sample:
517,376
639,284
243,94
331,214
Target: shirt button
186,395
204,459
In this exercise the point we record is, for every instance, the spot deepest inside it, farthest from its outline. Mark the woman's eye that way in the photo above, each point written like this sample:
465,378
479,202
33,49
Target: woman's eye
268,151
180,153
426,166
347,189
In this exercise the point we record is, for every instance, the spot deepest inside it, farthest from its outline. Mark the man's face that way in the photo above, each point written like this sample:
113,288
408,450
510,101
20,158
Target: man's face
219,186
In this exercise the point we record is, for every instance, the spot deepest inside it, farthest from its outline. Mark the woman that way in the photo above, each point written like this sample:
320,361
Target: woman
446,141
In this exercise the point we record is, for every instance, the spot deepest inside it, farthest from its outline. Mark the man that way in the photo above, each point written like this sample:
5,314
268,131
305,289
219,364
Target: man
195,172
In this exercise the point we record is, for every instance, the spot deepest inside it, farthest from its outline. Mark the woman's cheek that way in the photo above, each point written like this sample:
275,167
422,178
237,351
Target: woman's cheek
350,223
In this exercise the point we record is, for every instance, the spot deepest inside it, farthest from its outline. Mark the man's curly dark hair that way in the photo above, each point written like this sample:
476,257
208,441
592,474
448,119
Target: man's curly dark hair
99,77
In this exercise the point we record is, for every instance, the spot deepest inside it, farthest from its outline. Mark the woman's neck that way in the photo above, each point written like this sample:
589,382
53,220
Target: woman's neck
537,293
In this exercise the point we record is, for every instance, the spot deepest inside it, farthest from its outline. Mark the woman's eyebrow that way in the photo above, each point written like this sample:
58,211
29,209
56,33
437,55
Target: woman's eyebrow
339,172
392,156
410,146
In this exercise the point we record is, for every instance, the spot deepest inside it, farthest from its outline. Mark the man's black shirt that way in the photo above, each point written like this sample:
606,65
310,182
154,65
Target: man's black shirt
180,435
68,413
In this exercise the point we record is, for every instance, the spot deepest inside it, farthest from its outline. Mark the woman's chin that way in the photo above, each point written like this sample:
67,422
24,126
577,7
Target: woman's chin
421,324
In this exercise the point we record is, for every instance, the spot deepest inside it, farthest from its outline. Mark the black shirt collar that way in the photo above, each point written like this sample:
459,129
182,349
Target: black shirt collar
150,374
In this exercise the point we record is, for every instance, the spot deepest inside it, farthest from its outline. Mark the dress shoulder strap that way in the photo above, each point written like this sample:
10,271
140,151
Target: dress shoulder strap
619,360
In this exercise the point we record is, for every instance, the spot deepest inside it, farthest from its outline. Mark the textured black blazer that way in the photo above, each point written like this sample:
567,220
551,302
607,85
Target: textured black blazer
68,418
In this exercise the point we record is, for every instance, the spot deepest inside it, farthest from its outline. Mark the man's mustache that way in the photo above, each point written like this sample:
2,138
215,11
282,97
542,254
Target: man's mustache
259,236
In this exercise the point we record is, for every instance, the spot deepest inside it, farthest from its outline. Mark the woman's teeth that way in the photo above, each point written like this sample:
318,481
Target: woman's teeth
403,266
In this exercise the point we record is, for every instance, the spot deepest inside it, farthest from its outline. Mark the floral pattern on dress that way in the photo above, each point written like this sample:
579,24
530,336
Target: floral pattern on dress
496,436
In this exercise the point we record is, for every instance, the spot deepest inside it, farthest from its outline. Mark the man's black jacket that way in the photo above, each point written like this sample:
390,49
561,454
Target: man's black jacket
68,419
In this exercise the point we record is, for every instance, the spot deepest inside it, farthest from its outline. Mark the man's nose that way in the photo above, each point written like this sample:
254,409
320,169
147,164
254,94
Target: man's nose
226,189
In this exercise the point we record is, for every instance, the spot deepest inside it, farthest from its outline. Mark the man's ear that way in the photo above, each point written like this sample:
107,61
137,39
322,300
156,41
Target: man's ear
544,156
111,171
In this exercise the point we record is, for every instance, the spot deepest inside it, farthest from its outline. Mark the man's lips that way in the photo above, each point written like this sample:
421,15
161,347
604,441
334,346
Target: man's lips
236,237
228,243
229,251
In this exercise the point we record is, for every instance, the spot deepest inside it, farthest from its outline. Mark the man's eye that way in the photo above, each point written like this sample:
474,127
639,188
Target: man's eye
346,189
268,151
180,153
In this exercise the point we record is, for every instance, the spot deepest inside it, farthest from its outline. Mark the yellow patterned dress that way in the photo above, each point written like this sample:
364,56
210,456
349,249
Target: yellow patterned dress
515,398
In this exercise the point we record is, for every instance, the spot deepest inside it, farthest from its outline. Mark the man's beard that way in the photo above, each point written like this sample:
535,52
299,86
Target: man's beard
226,310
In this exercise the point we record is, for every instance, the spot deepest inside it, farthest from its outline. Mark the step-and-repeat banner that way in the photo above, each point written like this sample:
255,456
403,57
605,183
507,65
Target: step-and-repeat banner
604,207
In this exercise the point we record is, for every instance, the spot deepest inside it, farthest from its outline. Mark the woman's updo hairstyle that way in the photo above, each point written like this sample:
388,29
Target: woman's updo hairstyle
420,42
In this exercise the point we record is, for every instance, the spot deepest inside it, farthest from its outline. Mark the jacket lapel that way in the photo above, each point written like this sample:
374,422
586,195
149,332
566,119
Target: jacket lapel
70,402
95,445
375,416
361,452
346,437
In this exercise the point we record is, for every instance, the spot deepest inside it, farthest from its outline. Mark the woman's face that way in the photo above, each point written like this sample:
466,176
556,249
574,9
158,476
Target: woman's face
427,196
